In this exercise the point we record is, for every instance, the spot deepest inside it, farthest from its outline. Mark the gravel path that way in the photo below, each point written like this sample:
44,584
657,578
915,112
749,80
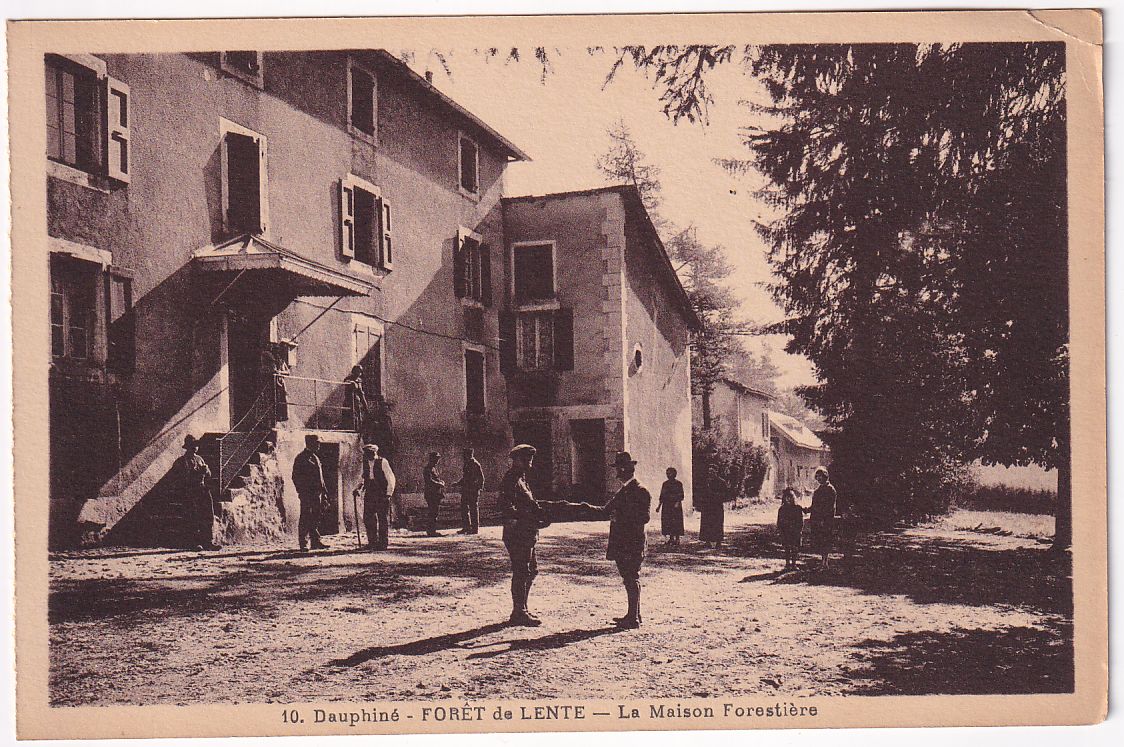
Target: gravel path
928,610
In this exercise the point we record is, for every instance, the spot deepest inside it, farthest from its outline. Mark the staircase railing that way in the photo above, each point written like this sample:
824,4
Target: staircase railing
320,404
246,437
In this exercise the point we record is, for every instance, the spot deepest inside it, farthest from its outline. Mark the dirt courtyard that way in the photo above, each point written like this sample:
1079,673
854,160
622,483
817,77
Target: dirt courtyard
972,604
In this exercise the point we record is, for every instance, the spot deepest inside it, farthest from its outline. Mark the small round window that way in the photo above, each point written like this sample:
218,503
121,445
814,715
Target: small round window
637,358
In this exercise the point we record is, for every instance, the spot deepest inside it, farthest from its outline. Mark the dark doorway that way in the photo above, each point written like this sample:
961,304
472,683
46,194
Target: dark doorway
587,460
247,336
537,434
330,462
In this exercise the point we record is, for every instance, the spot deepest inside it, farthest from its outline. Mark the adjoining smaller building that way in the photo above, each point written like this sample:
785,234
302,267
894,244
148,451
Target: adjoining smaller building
796,452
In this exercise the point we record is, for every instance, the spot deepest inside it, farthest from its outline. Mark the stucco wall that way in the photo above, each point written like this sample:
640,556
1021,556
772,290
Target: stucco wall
172,207
658,394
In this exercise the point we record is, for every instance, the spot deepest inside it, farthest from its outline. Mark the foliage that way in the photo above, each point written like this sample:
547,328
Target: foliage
741,465
920,247
704,270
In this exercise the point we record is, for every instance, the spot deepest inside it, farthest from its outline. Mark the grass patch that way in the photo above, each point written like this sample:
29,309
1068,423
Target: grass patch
1001,523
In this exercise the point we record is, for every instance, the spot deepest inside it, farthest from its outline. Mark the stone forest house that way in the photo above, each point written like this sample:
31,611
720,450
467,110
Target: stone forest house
740,411
229,233
601,323
796,452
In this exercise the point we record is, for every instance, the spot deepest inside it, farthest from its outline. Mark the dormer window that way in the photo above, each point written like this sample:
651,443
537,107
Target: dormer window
362,102
469,158
244,65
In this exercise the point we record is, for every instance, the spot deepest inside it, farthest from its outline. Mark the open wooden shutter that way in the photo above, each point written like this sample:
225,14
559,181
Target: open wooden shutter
385,242
121,321
507,342
347,219
564,339
486,275
117,122
460,266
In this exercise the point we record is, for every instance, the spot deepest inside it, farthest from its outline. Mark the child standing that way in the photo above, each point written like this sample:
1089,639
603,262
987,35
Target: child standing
790,520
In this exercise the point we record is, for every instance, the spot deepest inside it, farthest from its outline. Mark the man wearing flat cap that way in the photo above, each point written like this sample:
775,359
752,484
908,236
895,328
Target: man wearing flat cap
308,478
378,486
194,473
523,516
628,511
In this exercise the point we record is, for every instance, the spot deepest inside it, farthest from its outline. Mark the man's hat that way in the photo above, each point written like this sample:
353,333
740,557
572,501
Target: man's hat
624,459
434,455
371,448
523,450
311,439
190,440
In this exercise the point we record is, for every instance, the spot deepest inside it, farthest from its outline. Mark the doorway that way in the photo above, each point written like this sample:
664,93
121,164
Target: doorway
247,339
587,460
537,434
330,463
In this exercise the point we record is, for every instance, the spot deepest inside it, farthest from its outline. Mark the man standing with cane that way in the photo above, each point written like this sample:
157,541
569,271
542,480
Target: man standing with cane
378,486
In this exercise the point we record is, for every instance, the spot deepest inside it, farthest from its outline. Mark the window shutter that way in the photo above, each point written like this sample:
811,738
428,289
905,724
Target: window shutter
387,250
347,219
564,339
460,267
263,189
117,123
507,342
486,275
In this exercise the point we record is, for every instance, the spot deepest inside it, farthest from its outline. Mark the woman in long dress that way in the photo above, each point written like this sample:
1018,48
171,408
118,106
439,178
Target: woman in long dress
823,515
712,510
670,508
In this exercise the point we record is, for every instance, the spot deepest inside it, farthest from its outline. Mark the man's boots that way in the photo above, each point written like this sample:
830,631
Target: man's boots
632,618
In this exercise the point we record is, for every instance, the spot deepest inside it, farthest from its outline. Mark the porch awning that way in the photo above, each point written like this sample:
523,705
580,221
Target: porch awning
300,275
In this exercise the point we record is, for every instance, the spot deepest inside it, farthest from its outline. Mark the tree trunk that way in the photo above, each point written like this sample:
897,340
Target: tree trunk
1063,514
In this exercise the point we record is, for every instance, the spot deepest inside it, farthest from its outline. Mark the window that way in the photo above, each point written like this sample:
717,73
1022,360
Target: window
474,381
469,164
87,117
368,354
73,310
365,224
472,269
546,340
533,272
243,65
362,102
122,321
243,180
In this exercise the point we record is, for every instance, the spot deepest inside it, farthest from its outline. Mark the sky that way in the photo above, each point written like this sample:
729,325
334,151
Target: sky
562,124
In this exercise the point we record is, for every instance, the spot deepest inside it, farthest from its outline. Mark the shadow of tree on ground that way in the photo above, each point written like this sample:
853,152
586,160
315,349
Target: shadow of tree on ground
967,662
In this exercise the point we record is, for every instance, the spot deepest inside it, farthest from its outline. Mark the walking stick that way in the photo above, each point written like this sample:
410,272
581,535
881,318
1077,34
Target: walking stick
355,504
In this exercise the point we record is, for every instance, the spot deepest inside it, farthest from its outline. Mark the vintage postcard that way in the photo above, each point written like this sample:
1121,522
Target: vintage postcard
591,373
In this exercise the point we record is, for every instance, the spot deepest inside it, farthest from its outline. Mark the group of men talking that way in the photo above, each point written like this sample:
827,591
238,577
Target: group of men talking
629,510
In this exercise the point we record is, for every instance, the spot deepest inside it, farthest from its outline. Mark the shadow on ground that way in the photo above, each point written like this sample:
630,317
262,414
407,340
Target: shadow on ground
967,662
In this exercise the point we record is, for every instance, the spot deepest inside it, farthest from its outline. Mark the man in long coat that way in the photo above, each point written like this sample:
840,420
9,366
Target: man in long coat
308,478
629,510
194,473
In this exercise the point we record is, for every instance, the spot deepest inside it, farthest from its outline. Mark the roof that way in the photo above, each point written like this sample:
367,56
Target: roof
738,386
795,431
634,208
307,277
509,148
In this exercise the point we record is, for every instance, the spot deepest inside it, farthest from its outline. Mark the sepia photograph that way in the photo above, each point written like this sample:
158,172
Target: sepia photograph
724,379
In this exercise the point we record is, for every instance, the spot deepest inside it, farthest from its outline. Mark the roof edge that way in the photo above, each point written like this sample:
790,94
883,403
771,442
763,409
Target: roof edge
513,151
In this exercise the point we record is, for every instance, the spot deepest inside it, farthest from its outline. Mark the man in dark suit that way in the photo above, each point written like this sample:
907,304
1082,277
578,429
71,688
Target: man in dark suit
470,484
308,478
628,510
